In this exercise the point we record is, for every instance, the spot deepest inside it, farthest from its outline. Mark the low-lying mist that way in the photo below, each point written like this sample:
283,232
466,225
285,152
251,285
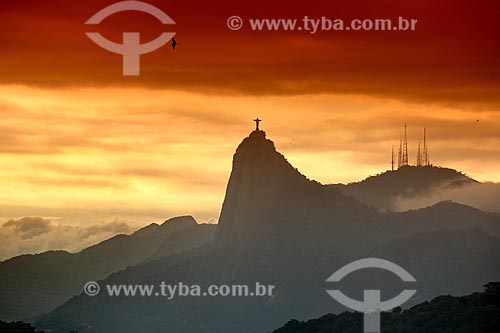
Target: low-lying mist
485,196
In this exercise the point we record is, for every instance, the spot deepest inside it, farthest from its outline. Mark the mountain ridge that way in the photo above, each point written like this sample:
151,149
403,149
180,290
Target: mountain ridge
277,227
384,189
53,277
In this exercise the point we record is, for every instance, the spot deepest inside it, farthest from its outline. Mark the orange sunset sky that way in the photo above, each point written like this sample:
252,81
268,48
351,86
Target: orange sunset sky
81,144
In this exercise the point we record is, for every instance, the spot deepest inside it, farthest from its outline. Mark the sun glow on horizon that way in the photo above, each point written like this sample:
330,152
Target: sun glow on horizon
158,153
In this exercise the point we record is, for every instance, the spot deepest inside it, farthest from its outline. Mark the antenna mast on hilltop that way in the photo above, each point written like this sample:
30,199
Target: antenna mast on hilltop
405,149
426,161
423,158
392,160
419,155
400,152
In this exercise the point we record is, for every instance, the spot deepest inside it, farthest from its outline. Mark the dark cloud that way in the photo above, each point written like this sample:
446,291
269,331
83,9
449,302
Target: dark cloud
452,57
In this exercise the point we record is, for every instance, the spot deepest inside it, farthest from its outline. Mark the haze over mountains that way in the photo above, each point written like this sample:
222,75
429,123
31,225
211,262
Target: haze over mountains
383,190
31,285
412,187
277,227
36,234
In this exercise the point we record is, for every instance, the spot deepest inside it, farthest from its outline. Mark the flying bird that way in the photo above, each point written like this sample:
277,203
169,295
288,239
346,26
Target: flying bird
174,43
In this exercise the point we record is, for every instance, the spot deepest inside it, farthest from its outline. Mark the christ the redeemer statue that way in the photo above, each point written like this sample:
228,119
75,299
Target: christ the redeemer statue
257,121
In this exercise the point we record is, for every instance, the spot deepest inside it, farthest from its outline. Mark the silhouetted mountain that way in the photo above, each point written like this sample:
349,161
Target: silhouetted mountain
476,313
269,201
459,261
445,215
277,227
382,191
184,239
31,285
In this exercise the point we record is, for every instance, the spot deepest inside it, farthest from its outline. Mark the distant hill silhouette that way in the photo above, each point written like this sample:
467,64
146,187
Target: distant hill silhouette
184,239
476,313
382,191
31,285
452,260
277,227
